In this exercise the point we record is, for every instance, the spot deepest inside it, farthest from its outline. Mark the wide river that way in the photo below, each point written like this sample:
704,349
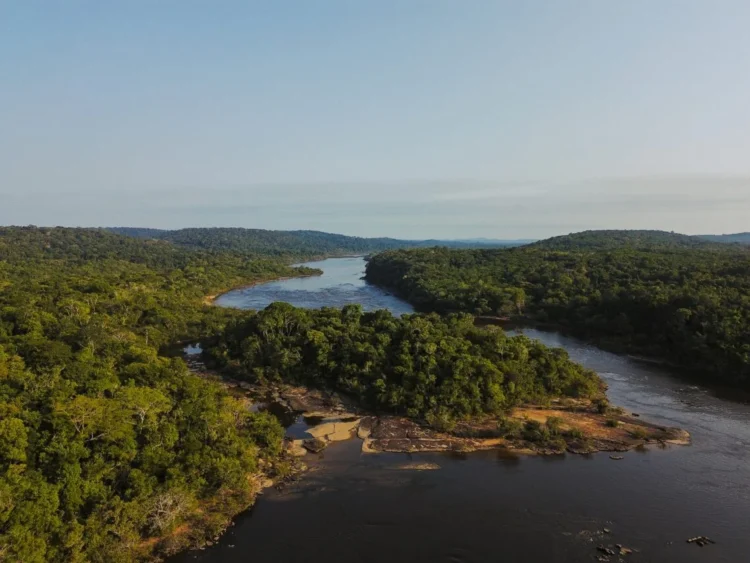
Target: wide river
492,506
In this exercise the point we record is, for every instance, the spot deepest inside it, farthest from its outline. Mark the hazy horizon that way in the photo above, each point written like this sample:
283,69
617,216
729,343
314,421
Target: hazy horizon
404,119
425,210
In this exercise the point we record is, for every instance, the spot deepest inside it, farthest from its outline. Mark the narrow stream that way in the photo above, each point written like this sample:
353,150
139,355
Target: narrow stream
492,506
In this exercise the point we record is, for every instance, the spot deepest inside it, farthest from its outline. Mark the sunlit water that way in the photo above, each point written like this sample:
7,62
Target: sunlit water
341,284
496,507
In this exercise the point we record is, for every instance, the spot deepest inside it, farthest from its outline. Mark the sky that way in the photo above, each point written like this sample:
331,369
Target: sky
403,118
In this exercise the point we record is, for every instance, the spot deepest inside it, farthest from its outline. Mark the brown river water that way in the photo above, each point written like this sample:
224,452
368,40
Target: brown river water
497,507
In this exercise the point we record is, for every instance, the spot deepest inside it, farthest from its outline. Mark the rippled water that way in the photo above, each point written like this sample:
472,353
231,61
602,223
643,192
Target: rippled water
341,284
492,506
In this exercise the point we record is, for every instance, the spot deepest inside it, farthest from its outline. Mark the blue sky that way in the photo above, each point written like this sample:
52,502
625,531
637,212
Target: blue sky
406,118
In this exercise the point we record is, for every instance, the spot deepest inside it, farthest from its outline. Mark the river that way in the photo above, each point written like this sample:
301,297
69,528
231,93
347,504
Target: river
493,506
341,284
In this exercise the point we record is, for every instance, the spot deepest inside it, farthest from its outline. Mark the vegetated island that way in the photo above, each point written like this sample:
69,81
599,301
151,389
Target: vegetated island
424,383
676,298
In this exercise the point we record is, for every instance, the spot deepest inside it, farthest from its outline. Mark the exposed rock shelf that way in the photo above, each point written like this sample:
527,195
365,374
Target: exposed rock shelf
581,429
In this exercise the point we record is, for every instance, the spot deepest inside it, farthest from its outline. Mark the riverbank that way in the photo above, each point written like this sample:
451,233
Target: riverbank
688,374
564,426
207,520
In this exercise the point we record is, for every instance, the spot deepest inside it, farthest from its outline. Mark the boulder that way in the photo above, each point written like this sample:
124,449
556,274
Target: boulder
314,445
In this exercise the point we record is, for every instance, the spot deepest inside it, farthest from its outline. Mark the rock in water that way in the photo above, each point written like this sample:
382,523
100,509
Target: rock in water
701,541
314,445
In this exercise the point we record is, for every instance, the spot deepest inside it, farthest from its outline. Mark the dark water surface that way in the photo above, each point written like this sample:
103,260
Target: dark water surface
495,507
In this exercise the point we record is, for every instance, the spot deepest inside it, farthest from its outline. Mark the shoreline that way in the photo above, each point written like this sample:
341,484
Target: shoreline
580,430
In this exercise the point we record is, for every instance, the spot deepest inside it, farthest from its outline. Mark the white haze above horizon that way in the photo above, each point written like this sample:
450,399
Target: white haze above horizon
445,210
411,119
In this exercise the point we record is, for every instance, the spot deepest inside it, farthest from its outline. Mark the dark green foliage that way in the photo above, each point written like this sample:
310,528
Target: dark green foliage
103,440
547,435
553,424
509,427
437,369
602,405
575,433
687,304
535,431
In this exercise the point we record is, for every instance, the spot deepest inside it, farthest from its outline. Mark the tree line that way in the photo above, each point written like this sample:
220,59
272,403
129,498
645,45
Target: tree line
288,245
261,242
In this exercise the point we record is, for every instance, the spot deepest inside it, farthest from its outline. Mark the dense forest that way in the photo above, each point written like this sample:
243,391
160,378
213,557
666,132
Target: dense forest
105,441
639,239
304,244
686,303
614,239
437,369
289,244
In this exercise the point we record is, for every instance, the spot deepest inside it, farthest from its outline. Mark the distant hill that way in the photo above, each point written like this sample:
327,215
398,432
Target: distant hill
740,238
294,243
468,243
138,232
612,239
488,242
268,243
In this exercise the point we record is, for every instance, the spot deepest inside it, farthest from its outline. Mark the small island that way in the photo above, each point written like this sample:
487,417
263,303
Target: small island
423,383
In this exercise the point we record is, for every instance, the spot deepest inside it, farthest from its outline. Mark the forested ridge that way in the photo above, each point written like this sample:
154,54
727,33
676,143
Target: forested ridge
292,244
288,244
662,296
641,240
619,239
740,238
106,443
